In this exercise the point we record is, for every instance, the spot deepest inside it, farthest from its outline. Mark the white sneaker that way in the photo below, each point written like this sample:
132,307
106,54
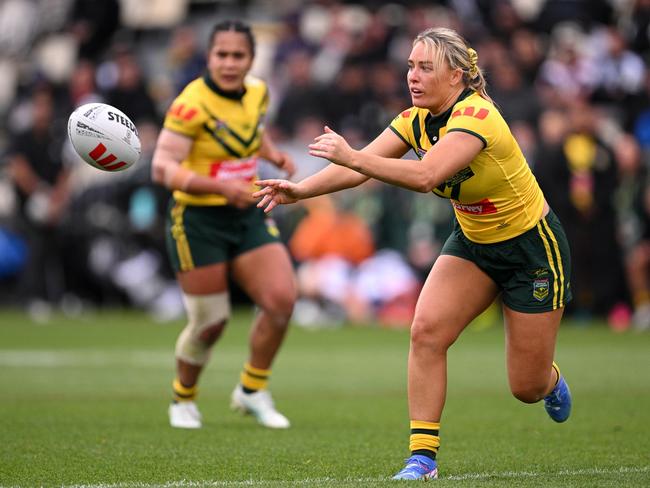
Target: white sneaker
184,415
259,404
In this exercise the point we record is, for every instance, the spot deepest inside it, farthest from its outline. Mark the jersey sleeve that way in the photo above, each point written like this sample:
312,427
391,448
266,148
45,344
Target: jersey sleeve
479,121
185,116
401,126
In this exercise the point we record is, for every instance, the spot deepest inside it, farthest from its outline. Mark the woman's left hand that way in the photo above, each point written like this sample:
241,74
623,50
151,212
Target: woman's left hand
332,146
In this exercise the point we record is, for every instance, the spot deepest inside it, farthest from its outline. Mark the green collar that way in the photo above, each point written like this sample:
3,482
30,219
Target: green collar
447,113
433,123
233,94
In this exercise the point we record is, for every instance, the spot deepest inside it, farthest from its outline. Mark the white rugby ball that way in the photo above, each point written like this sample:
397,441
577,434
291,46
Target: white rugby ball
104,137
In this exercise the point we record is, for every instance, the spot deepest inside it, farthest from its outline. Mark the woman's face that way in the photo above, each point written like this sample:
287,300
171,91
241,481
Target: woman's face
229,60
430,86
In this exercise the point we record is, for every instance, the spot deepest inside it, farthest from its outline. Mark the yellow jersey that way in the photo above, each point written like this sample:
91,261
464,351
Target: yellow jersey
227,132
496,197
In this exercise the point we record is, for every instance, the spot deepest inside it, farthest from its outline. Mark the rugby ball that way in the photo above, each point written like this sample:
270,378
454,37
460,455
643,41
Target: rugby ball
104,137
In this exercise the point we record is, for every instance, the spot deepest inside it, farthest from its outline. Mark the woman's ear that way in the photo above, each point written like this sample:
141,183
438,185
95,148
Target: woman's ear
456,77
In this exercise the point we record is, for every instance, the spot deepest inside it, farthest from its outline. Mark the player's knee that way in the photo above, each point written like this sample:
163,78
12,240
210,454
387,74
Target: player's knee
430,335
207,316
529,393
278,304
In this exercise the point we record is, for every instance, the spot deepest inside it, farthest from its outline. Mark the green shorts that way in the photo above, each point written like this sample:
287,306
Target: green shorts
532,270
202,235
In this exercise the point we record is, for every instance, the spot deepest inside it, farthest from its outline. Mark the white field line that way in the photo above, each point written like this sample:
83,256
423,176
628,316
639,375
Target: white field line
324,481
49,358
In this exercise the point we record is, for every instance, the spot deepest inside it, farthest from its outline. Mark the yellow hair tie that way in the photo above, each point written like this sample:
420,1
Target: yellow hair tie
473,59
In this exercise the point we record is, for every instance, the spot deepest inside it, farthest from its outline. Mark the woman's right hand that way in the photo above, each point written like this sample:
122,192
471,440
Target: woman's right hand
276,192
238,193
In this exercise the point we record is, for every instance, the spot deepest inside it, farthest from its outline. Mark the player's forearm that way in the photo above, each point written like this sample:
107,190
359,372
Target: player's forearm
409,174
175,177
268,150
331,179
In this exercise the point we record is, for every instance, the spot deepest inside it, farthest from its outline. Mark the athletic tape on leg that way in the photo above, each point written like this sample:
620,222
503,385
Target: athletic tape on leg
203,312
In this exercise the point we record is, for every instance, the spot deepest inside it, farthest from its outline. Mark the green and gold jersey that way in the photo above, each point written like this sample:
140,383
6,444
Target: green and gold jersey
226,129
496,197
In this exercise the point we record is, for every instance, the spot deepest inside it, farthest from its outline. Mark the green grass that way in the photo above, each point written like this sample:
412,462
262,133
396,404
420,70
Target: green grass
83,402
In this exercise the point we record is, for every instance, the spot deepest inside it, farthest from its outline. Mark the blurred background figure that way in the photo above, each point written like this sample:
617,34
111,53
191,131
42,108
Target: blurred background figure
41,181
93,23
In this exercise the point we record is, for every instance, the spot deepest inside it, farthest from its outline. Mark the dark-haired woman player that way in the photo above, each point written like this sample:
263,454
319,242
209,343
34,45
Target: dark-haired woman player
207,154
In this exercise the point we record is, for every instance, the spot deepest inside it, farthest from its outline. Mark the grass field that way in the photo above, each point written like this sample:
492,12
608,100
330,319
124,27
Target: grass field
84,402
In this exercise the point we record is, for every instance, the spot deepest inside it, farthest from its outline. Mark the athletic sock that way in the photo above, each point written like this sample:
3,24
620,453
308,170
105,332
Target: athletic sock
253,379
557,370
425,439
183,393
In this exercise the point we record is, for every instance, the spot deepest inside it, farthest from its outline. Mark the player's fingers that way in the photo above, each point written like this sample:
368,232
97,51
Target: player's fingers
262,191
269,182
264,201
272,204
319,154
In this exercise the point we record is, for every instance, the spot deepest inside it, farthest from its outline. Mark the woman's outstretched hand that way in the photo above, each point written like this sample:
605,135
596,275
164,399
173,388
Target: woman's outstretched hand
276,192
333,147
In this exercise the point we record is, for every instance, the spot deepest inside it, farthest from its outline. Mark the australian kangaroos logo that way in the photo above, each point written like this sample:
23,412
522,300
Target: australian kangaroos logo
540,289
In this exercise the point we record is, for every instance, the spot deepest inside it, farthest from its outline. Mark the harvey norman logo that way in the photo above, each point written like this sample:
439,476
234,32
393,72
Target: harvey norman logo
483,207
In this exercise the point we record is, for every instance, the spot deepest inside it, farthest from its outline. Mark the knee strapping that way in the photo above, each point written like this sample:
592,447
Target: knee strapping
203,312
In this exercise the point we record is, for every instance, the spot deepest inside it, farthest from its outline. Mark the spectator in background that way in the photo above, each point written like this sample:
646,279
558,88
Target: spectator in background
527,53
515,98
82,87
328,244
638,265
579,174
347,97
93,23
565,74
42,184
635,24
302,96
633,198
186,60
129,92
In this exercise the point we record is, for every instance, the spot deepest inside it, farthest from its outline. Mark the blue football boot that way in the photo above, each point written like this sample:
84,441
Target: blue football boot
418,467
558,402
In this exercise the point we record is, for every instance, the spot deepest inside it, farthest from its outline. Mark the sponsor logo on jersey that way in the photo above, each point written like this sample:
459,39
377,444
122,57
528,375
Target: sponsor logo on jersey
483,207
471,112
540,289
241,169
179,111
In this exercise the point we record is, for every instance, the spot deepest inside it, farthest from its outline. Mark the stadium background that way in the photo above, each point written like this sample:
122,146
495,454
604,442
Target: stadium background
571,77
89,311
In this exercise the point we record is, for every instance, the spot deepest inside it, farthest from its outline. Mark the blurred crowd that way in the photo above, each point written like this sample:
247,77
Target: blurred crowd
570,77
